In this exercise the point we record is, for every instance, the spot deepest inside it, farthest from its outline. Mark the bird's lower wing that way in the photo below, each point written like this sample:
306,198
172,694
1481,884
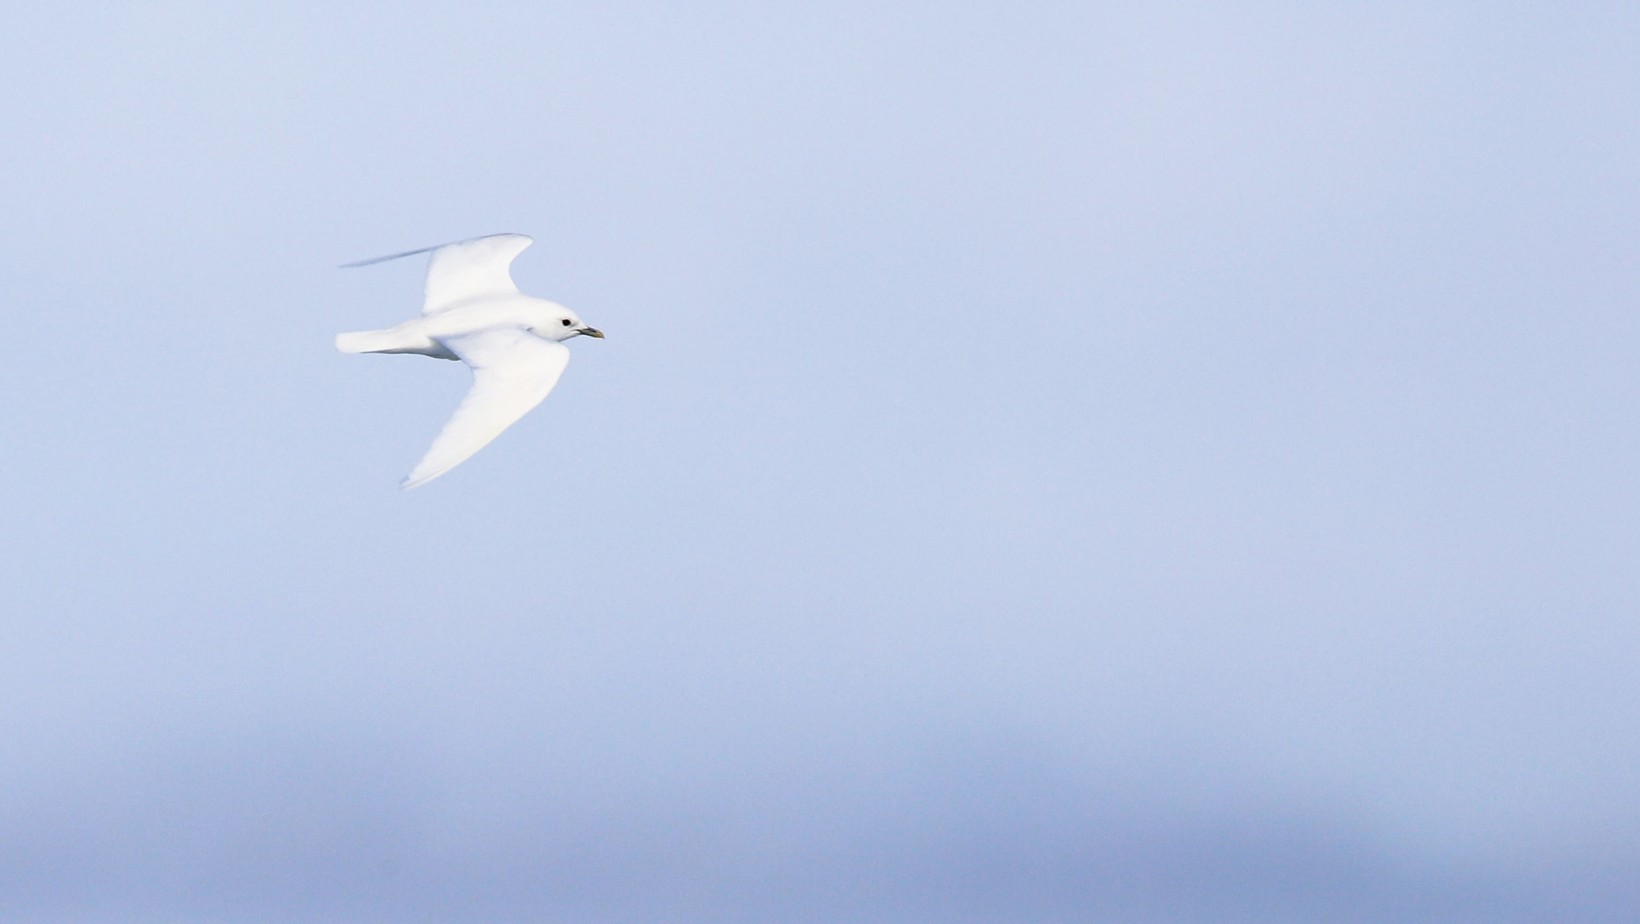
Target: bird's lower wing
512,372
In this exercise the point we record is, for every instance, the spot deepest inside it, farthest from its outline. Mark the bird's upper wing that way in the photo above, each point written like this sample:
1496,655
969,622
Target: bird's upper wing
469,269
512,372
465,269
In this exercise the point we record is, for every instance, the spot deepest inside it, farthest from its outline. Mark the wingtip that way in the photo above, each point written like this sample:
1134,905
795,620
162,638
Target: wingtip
418,478
410,253
392,256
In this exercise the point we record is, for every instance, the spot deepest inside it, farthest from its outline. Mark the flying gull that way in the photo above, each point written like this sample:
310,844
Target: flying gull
473,312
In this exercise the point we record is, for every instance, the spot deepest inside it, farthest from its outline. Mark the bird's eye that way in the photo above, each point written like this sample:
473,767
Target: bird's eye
566,322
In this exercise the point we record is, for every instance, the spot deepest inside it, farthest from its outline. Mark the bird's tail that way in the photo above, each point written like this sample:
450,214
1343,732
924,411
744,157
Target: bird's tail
391,340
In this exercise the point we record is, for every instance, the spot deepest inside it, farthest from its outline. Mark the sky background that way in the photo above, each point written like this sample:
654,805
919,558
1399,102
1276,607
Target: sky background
1061,462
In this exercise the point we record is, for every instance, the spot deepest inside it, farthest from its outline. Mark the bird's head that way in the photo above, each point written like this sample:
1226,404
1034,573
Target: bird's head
560,323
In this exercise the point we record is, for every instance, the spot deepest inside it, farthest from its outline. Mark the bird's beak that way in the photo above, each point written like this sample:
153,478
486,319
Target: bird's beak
590,332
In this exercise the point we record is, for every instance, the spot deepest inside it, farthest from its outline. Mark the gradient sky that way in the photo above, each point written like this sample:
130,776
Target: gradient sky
1154,462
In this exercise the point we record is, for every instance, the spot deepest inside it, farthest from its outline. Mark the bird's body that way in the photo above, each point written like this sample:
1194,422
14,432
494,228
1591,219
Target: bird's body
426,335
474,313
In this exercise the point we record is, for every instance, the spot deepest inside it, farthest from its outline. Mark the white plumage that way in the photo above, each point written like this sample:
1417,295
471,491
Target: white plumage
473,312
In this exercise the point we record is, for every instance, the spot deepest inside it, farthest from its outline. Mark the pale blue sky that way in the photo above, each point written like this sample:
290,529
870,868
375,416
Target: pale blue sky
1073,462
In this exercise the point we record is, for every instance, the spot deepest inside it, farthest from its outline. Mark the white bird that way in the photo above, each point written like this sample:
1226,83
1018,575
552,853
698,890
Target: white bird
473,312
